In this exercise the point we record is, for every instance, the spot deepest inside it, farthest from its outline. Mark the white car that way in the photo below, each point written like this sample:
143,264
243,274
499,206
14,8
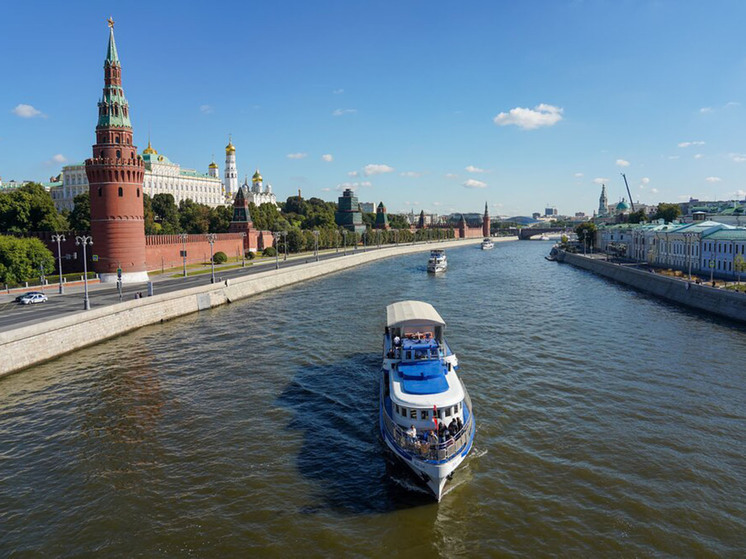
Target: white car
33,298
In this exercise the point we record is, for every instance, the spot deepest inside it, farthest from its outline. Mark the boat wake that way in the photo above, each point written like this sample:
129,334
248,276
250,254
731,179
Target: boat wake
409,484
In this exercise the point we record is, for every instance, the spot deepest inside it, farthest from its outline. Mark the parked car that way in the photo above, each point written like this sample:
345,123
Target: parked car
33,298
27,294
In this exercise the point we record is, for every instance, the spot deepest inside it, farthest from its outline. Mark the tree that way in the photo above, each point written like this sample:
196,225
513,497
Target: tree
739,265
29,208
398,221
586,233
193,217
667,212
22,259
220,257
637,217
80,217
151,227
296,240
166,214
220,219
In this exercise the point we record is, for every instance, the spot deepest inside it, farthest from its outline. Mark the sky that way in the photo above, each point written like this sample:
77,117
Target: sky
431,105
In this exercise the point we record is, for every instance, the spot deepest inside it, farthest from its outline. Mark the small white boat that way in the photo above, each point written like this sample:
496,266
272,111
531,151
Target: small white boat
545,237
437,261
426,416
487,244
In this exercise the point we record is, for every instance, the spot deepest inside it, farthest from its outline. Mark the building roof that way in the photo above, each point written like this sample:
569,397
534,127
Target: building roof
732,234
403,312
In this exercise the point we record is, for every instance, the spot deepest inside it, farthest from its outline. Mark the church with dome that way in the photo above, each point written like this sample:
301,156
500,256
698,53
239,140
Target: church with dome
255,192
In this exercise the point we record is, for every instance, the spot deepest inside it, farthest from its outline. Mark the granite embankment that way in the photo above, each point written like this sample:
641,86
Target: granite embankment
28,345
728,304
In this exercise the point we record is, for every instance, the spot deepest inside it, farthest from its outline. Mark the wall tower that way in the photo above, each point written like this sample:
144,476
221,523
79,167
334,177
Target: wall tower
115,176
231,173
486,222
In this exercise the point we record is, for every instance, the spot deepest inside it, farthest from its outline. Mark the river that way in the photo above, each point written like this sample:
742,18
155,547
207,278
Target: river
609,423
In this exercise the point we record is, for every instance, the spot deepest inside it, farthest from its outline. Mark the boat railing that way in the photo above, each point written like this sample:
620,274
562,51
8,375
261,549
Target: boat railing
422,448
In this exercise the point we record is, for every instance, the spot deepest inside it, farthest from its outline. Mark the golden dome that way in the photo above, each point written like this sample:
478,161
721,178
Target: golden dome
149,150
230,148
257,177
213,165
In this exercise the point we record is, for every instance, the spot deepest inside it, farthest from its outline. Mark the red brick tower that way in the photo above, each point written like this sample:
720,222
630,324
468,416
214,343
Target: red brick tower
115,176
486,222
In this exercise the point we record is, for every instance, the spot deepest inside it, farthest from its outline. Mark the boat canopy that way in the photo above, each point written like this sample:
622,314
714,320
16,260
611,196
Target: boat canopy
412,312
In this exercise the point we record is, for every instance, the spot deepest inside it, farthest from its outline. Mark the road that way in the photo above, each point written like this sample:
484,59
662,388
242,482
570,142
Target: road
14,315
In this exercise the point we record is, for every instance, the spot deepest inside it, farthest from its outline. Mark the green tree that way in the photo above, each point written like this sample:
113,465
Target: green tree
220,219
667,212
193,217
586,233
296,240
220,257
739,265
80,217
151,227
166,214
29,208
398,221
637,217
22,259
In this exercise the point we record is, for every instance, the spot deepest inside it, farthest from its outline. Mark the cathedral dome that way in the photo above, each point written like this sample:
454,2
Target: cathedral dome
622,206
213,165
257,177
230,149
149,150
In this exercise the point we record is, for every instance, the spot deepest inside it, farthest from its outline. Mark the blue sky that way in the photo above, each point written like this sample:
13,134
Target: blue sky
420,104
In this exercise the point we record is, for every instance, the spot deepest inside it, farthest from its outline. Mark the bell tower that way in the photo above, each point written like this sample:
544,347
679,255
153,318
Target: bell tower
115,176
486,222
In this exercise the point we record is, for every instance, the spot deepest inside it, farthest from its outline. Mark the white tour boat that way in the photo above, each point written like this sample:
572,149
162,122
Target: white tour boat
487,244
426,415
437,261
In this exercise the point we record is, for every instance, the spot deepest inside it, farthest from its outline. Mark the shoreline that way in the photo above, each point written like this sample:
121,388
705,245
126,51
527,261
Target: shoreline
86,328
700,297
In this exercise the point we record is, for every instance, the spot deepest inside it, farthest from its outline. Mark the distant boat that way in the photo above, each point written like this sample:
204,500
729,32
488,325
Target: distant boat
544,237
426,416
553,254
487,244
437,261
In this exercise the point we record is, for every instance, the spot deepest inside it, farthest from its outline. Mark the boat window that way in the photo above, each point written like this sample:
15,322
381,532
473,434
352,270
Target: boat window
423,414
404,411
413,414
448,411
396,406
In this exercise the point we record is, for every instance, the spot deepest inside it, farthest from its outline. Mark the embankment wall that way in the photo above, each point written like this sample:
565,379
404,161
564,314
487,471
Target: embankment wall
702,297
36,343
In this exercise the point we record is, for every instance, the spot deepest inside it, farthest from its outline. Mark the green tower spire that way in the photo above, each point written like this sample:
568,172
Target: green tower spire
111,52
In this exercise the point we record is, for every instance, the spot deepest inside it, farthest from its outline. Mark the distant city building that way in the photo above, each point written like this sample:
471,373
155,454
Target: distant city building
348,213
603,203
550,212
367,207
231,172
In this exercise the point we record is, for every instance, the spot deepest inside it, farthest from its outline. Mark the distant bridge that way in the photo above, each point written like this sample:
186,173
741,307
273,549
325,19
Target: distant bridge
526,233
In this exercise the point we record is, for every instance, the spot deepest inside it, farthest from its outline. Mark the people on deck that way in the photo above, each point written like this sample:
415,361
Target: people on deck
412,434
453,426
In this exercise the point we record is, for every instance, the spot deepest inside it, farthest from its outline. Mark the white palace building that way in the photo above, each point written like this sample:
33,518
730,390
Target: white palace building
164,176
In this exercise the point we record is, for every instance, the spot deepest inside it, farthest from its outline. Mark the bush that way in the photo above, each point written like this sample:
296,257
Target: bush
269,251
250,255
219,258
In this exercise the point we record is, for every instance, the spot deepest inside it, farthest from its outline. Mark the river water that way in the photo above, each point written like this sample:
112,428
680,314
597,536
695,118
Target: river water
609,423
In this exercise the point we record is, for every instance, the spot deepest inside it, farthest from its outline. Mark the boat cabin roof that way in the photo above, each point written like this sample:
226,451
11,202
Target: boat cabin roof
412,312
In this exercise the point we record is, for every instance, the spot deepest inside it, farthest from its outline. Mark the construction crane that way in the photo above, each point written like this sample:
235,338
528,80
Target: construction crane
631,203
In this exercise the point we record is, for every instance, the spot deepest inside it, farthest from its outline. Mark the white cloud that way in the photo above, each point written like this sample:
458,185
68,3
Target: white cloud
705,110
27,111
326,190
578,175
206,109
437,203
353,185
473,169
737,157
59,158
713,180
327,157
473,183
732,104
673,156
376,169
410,174
654,190
530,119
645,180
622,163
601,180
300,155
687,144
338,91
698,156
740,193
341,112
451,175
352,174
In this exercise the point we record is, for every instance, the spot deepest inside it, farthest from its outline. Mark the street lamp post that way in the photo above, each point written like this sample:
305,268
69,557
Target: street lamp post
585,242
344,241
336,239
396,236
712,272
285,245
316,244
59,238
85,240
243,249
211,238
276,235
184,237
